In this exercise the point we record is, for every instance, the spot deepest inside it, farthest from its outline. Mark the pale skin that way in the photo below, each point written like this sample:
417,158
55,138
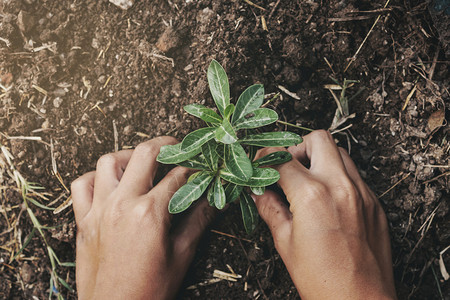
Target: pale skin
333,237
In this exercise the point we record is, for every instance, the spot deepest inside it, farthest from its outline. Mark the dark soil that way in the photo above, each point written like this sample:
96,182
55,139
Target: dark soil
102,67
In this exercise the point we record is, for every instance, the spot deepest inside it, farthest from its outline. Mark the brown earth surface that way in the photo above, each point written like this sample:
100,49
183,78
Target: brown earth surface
82,78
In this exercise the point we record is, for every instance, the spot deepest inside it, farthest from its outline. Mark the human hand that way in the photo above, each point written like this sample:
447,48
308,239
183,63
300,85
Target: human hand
126,246
333,238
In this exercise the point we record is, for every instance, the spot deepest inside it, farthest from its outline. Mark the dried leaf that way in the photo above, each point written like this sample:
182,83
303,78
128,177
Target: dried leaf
436,120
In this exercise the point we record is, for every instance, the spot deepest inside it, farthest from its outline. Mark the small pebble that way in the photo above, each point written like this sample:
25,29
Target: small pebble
102,79
45,125
59,92
123,4
57,102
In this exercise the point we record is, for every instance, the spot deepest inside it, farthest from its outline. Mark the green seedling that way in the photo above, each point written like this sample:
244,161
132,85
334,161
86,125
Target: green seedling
224,151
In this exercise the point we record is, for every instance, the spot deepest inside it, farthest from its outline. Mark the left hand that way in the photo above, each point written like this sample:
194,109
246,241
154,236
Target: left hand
126,245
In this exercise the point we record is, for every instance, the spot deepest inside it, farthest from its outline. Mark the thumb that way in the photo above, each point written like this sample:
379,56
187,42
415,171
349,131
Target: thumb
276,214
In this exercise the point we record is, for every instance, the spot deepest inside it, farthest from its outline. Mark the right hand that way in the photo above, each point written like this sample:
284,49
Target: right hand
333,238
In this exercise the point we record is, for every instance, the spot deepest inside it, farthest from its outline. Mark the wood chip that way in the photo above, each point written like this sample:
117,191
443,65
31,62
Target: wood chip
288,92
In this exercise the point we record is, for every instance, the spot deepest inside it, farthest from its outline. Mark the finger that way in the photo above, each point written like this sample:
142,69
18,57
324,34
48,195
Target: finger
164,190
82,190
384,255
141,169
193,225
351,168
376,223
276,215
292,173
368,198
110,168
321,151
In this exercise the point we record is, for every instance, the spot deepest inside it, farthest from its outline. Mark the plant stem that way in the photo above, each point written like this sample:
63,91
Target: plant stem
296,126
271,100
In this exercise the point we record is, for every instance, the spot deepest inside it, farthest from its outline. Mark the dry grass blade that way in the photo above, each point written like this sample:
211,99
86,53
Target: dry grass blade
365,39
442,268
408,98
397,183
254,5
226,276
288,92
231,236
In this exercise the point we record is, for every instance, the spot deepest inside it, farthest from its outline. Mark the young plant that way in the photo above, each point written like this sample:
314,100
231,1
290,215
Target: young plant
224,151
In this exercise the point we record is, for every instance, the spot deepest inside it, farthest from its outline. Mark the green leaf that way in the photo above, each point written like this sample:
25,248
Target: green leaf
196,139
221,151
65,284
232,191
219,86
188,193
197,163
210,154
39,204
237,162
275,158
68,264
249,212
252,98
252,152
25,244
210,195
258,190
257,118
261,177
193,176
229,111
204,113
219,194
172,154
225,133
272,139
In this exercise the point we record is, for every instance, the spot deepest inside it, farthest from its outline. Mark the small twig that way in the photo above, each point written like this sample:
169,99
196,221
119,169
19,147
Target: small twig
29,138
437,177
40,90
226,276
116,137
293,125
67,203
330,66
107,81
288,92
271,100
408,98
433,66
428,220
156,55
273,9
230,235
338,103
436,166
346,19
253,4
365,39
7,42
397,183
342,129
